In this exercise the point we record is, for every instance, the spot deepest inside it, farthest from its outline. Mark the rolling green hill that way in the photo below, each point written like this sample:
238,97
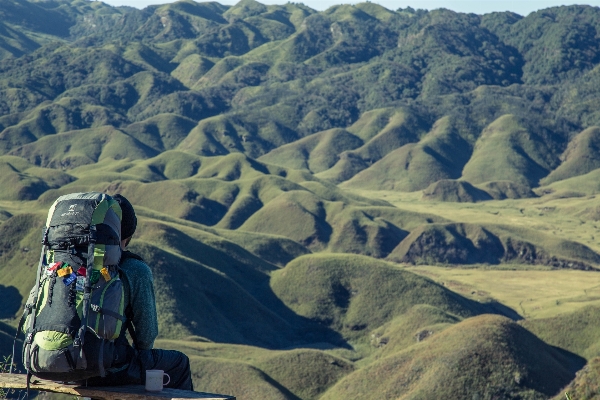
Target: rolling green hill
292,169
458,362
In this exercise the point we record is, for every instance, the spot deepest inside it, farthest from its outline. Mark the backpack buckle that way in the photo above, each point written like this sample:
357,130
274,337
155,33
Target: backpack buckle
29,338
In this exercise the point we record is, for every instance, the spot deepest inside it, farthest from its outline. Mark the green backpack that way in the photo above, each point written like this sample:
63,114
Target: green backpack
75,310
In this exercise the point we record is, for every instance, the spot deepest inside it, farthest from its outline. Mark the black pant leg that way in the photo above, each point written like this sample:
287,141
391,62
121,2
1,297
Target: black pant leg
128,373
174,363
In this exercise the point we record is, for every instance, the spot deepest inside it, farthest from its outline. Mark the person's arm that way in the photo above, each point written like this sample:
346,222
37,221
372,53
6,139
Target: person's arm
143,303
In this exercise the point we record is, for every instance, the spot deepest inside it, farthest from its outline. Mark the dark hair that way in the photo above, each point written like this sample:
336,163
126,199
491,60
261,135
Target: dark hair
129,220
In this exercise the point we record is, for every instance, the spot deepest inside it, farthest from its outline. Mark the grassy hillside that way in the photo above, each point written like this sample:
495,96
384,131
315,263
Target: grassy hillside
351,93
458,362
353,294
349,203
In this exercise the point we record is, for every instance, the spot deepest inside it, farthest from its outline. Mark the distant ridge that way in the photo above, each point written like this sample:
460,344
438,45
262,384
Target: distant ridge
359,95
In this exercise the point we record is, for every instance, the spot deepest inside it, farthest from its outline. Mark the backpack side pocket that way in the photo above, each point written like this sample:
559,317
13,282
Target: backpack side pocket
107,308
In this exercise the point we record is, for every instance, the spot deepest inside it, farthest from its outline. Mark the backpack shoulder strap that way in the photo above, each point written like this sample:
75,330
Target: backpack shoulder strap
128,311
129,325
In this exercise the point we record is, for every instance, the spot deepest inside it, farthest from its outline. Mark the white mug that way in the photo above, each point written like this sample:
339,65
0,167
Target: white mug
155,379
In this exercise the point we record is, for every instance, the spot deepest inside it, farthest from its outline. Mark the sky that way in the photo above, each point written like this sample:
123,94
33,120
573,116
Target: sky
522,7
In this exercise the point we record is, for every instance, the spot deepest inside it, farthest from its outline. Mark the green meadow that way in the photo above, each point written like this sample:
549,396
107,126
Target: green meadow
356,203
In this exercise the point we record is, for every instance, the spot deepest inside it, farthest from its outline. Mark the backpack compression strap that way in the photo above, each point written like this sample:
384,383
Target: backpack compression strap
30,330
87,293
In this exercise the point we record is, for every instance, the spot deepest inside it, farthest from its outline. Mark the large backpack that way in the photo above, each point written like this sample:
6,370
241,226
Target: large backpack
75,310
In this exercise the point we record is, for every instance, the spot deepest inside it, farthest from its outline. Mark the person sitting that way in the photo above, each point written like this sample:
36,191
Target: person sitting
140,309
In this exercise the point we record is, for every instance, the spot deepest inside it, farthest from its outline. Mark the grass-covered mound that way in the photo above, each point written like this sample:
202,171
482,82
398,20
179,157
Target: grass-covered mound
484,357
306,373
355,295
316,153
229,285
577,186
463,192
440,154
449,243
162,132
382,131
506,150
417,324
241,379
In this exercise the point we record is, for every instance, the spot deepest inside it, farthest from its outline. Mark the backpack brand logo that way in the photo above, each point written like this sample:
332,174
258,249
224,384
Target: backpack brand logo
71,211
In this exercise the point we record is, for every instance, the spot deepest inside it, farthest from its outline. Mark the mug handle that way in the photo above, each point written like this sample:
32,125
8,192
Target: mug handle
168,379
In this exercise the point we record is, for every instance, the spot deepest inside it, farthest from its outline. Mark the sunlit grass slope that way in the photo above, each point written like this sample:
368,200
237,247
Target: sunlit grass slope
440,154
382,131
575,331
316,153
162,132
485,357
222,281
454,191
21,180
533,293
560,214
237,192
507,151
75,148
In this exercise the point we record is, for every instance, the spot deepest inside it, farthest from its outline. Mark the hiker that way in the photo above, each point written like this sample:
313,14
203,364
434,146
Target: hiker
89,291
140,309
